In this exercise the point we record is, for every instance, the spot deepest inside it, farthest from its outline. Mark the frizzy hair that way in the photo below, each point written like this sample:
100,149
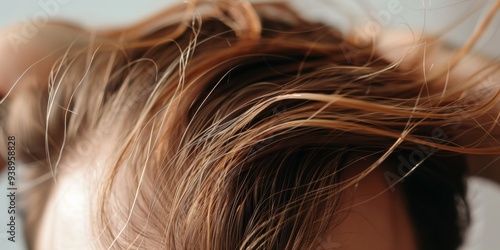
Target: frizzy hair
231,128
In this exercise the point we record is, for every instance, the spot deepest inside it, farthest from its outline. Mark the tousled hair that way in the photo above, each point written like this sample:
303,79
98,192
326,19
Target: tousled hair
231,128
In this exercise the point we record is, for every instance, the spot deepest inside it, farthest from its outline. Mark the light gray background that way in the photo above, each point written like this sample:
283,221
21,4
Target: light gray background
434,16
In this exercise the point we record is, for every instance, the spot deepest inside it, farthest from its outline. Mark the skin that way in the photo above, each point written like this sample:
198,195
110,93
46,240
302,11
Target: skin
372,213
388,226
71,201
13,64
16,59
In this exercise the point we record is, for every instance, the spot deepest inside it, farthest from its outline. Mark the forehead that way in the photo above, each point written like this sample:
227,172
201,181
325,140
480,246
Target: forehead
372,215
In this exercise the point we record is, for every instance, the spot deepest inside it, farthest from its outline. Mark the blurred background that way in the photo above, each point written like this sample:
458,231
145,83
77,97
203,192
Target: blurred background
454,19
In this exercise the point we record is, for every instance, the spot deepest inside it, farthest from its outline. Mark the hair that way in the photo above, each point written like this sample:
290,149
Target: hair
231,126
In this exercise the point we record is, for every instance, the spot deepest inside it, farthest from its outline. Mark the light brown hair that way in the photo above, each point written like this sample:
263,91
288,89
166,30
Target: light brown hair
231,129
